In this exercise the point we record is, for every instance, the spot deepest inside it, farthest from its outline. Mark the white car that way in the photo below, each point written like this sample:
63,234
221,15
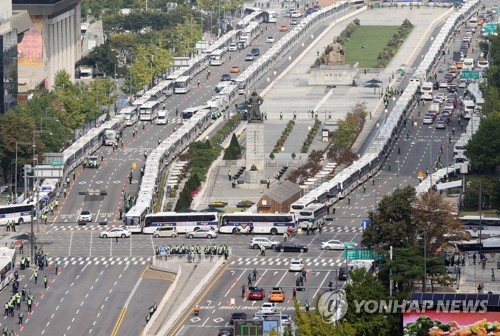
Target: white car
232,47
270,39
266,242
428,120
249,57
333,245
268,308
116,232
202,233
85,216
295,14
296,265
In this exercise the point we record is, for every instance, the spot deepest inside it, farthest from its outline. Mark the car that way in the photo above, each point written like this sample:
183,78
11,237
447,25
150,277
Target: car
167,231
317,8
309,11
235,69
225,78
92,162
296,265
333,245
291,247
266,242
448,106
268,308
270,39
232,47
249,57
441,97
283,28
452,88
277,295
294,22
443,83
437,101
202,233
428,120
255,52
238,316
343,271
441,125
433,114
256,294
452,100
449,77
444,119
295,14
226,331
115,232
85,216
445,116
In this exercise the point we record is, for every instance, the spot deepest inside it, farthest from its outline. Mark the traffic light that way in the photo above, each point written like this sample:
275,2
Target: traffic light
300,289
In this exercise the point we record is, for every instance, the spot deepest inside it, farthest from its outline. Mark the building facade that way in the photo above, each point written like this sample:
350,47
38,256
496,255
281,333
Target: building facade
13,24
51,44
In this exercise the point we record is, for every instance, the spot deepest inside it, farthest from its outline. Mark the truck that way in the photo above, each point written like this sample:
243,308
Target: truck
110,137
91,162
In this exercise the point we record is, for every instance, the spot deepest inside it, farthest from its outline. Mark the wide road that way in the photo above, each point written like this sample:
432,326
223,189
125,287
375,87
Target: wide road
419,148
112,175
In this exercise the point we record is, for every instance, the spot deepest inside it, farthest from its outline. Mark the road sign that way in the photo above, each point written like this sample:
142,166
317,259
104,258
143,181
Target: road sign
420,174
490,28
470,74
364,223
359,254
56,163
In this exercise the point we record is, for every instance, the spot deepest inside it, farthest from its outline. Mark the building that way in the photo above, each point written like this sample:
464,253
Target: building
279,198
13,24
52,43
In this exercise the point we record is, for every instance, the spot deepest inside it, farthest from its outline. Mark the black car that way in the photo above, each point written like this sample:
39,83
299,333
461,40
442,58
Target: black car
225,77
226,331
238,316
291,247
343,270
255,52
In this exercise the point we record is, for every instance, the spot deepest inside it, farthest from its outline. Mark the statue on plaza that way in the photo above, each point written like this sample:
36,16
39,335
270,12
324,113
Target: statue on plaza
255,101
334,54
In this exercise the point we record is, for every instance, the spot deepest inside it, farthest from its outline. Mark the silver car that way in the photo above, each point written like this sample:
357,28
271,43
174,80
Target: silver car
202,233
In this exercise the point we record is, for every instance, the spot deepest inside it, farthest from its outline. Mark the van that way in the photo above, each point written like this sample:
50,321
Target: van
469,106
162,117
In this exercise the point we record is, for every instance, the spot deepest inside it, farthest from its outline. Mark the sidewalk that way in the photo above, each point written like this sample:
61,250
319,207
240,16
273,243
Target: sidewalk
472,275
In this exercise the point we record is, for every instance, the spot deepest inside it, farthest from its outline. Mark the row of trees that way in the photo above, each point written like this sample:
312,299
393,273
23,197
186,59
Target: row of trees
397,39
50,117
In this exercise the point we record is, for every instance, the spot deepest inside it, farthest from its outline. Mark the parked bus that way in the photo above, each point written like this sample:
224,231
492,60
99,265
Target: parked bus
301,204
427,91
489,226
313,215
135,217
149,110
18,213
272,17
182,84
141,101
258,223
7,265
217,57
183,222
130,115
468,64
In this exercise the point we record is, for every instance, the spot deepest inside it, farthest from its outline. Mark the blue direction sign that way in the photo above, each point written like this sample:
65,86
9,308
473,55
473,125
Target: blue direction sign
490,28
364,223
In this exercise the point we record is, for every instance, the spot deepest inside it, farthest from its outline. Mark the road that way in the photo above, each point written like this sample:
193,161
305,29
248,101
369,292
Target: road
417,149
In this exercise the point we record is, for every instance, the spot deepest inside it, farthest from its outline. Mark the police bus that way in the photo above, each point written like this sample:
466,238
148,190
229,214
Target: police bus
17,213
183,222
217,57
259,223
7,263
135,217
182,84
130,115
486,225
313,215
149,110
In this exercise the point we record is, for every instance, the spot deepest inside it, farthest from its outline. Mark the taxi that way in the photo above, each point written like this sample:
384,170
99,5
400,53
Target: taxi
283,28
277,295
235,69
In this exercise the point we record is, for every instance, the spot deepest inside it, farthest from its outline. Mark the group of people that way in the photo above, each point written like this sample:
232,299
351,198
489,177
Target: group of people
151,311
211,249
10,226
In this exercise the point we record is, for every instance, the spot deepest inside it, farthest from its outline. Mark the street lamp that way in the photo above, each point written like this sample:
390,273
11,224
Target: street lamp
15,169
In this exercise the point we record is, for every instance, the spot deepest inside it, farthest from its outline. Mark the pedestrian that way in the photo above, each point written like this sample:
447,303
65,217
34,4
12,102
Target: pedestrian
330,285
229,176
281,115
243,289
20,318
249,278
348,200
307,306
474,259
21,248
304,275
320,228
364,188
116,239
45,281
57,267
294,293
254,278
262,251
35,276
30,304
285,236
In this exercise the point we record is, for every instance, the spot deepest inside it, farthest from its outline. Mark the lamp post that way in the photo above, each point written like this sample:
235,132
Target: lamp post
15,169
425,262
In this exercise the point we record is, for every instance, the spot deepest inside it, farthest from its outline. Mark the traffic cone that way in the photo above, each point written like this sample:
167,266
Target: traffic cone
28,314
42,294
20,327
35,304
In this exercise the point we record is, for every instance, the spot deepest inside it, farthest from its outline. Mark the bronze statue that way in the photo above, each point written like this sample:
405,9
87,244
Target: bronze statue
334,54
255,101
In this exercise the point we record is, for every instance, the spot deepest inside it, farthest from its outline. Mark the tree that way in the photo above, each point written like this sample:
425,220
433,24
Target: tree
407,266
392,224
483,149
102,57
312,324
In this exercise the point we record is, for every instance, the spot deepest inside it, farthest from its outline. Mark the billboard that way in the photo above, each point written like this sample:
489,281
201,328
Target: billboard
30,50
429,323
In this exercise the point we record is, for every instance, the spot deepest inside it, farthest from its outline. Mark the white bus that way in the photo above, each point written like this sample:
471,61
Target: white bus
130,114
183,222
182,84
217,57
472,22
489,226
272,16
134,219
7,265
149,110
468,64
18,213
258,223
301,204
141,101
313,214
427,91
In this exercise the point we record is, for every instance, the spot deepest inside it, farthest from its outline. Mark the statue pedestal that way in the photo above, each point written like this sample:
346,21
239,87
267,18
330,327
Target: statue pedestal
333,75
255,153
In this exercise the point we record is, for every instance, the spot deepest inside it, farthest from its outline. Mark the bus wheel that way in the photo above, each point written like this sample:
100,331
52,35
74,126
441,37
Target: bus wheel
274,231
468,236
235,230
20,221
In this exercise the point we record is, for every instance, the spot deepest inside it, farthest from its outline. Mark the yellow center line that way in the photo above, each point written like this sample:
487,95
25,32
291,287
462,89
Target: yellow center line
188,313
119,321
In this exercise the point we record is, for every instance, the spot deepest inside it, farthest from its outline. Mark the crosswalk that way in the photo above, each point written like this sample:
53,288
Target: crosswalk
97,227
273,261
102,261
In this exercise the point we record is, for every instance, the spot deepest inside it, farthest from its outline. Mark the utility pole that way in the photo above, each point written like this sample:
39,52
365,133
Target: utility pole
391,282
425,262
480,219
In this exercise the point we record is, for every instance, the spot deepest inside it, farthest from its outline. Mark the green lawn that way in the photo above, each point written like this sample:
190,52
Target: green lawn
366,43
